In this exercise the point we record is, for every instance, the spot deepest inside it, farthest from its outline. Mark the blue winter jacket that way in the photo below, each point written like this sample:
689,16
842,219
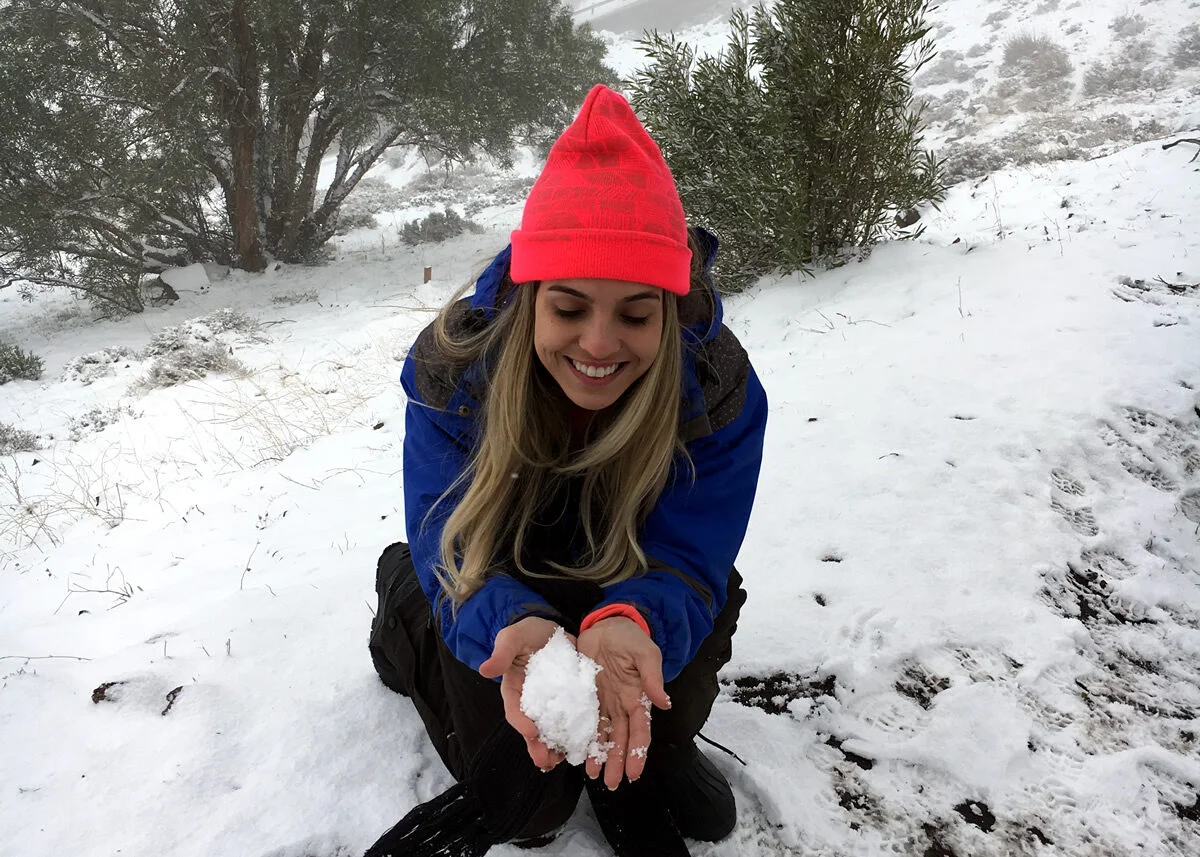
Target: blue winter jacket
690,538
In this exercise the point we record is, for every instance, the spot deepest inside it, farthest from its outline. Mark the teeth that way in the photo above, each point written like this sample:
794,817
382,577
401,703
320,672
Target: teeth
596,371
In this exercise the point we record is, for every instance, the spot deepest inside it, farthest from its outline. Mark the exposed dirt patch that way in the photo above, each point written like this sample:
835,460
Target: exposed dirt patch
920,685
110,691
937,845
862,761
773,693
172,695
978,814
1189,813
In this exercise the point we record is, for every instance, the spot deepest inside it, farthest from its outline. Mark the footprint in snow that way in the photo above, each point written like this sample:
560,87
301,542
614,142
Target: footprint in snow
1135,460
1068,499
1174,443
1189,505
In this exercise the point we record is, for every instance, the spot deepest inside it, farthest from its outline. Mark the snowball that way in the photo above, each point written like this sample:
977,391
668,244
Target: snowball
560,698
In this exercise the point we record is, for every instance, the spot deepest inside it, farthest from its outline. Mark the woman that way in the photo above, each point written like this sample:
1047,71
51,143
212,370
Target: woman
582,449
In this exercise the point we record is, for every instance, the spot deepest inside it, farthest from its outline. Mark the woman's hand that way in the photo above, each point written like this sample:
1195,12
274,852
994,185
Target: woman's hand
511,653
631,669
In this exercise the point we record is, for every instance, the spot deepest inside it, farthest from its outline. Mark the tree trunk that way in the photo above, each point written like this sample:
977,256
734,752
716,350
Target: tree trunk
298,233
290,119
242,113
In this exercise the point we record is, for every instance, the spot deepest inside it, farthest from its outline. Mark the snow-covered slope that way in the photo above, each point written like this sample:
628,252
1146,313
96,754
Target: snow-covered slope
974,616
1013,81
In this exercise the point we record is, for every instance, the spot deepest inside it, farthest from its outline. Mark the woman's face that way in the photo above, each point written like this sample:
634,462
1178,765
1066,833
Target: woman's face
596,337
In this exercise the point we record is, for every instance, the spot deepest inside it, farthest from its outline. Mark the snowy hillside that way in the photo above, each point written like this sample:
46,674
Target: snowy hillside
974,565
1014,81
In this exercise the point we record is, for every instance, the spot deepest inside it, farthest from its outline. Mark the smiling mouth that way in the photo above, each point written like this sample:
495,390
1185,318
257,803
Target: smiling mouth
595,372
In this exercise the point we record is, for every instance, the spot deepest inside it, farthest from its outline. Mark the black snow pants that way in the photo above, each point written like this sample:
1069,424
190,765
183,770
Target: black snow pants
461,708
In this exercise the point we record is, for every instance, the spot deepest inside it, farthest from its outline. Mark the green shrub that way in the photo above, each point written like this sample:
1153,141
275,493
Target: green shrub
949,68
373,196
221,320
191,362
96,419
969,160
945,108
199,331
347,223
18,363
13,439
292,298
1037,59
369,197
437,227
1129,71
799,139
191,350
1128,25
98,364
1186,53
1066,135
1035,74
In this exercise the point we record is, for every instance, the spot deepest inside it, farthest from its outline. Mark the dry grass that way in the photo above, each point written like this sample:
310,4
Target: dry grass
66,487
269,415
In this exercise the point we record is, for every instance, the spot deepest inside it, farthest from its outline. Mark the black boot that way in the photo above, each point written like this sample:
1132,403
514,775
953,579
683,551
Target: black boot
501,795
400,619
697,795
634,820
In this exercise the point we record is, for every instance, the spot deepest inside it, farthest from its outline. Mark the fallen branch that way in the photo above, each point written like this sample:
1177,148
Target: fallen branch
42,658
1191,140
1179,288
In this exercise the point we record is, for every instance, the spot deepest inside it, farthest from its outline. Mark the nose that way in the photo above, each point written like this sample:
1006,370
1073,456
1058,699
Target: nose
599,338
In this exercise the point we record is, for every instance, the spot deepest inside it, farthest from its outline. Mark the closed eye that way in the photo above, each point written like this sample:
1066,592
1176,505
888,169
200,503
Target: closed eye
635,320
568,313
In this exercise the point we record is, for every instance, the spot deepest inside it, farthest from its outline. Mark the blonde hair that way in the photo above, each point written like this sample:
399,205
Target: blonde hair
524,449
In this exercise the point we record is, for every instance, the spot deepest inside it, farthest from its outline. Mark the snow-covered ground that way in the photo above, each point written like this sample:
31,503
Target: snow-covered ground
974,565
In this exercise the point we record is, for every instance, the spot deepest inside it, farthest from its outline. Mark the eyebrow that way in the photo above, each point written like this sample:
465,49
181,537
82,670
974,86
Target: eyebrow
575,293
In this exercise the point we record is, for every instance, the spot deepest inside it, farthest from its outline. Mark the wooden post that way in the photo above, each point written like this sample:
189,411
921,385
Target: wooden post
428,273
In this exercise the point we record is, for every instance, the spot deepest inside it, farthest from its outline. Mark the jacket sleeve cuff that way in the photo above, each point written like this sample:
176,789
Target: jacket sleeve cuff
471,634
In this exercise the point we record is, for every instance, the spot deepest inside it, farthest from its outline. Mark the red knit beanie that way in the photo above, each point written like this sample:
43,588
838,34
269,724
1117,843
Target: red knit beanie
605,205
